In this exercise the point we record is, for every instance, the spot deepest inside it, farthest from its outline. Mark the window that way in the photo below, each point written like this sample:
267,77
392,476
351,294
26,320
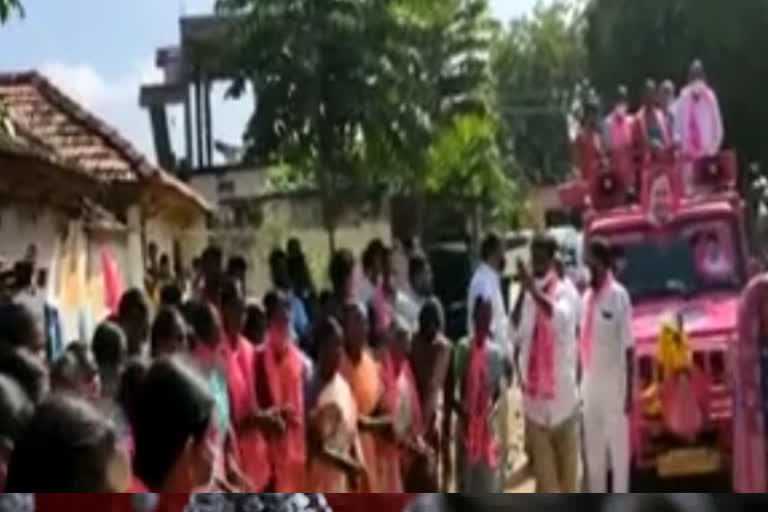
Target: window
694,257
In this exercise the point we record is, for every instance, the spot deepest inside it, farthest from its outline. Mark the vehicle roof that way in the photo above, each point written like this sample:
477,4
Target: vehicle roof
634,216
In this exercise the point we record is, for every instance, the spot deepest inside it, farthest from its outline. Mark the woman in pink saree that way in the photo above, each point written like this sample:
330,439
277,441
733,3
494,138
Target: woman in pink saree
250,424
363,374
335,455
280,373
396,451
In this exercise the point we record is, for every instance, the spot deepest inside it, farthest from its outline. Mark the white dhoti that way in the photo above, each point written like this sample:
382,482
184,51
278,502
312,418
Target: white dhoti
606,440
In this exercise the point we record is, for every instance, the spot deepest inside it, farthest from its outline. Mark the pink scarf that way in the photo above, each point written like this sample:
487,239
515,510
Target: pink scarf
621,134
694,131
382,309
695,136
587,333
391,457
241,379
541,361
286,379
392,369
482,444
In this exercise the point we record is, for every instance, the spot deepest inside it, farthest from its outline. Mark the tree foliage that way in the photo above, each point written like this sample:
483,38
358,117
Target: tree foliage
539,65
628,41
448,76
356,93
463,161
321,71
8,8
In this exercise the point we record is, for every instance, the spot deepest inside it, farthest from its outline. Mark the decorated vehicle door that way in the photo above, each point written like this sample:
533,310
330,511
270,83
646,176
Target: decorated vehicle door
749,360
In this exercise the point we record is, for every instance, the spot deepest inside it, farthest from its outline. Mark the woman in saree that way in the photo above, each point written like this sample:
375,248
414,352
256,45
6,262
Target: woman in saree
482,375
281,375
363,374
431,358
250,424
405,444
335,454
210,360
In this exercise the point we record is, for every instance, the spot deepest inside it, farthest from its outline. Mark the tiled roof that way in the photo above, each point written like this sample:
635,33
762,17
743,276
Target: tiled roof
78,136
18,141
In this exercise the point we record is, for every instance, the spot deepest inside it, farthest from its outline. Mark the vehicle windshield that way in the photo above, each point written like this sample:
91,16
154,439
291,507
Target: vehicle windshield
687,259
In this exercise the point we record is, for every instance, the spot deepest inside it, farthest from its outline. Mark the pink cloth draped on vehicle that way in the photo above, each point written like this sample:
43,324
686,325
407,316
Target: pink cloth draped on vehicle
749,369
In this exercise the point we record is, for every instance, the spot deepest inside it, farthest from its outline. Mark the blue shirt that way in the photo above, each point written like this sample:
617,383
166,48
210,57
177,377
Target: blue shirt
299,317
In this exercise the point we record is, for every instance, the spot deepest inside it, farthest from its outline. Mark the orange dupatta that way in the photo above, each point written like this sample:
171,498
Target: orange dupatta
285,374
396,374
241,381
364,379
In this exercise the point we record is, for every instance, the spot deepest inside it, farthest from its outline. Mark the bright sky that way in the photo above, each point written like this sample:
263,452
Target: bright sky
101,51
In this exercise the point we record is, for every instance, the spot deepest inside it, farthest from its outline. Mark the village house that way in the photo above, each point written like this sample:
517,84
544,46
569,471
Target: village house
130,201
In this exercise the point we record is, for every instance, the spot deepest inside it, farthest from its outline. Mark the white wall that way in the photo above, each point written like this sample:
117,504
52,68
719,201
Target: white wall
227,185
22,225
192,238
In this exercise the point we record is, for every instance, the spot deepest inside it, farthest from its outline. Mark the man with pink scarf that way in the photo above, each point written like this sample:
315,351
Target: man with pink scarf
620,129
544,323
606,355
698,121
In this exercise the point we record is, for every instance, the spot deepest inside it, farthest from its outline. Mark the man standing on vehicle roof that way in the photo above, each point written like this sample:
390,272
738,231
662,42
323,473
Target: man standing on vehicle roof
619,134
606,350
669,106
544,320
698,121
588,146
653,136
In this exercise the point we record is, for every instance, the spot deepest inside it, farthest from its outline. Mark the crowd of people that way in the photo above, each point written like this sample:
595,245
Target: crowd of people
350,389
688,127
191,385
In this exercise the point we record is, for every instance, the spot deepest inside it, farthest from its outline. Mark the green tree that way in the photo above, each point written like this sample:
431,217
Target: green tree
538,65
324,74
463,161
449,130
8,8
355,93
447,74
628,41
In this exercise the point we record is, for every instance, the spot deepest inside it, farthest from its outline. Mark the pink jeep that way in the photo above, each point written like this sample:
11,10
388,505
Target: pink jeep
683,257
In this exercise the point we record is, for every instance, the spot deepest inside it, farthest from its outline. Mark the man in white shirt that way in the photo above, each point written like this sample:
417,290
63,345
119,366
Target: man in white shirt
372,269
570,288
698,122
544,331
487,280
418,292
606,350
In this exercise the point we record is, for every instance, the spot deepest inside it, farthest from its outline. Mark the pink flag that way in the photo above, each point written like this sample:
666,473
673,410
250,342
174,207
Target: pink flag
113,284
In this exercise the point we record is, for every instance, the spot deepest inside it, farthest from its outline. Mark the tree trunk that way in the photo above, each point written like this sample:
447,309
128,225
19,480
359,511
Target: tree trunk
331,230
